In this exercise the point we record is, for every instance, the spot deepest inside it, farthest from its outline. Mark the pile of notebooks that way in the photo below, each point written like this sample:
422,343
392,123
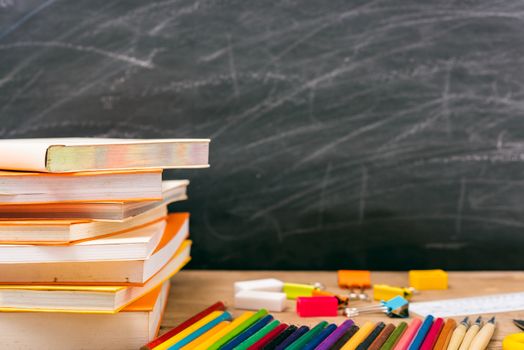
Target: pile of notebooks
87,246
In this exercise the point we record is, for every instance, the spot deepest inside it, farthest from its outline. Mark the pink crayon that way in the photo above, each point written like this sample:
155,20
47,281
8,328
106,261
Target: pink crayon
433,334
408,335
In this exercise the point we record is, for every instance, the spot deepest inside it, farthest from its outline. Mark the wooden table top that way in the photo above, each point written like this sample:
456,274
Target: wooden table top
193,291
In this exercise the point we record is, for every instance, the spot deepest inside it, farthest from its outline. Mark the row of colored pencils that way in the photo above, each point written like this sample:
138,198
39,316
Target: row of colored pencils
215,329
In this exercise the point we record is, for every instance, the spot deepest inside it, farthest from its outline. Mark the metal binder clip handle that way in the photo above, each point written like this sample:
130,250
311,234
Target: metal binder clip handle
355,311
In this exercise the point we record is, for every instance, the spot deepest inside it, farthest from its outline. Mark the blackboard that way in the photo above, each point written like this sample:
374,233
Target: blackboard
346,134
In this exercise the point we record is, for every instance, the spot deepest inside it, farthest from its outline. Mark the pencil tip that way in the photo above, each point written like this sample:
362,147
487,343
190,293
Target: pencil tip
492,320
479,319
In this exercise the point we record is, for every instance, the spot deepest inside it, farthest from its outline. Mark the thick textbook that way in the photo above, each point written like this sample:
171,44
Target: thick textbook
172,191
136,244
113,272
130,328
39,231
85,298
96,186
59,155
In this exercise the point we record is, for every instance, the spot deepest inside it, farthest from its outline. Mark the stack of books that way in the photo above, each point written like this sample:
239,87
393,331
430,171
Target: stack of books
87,246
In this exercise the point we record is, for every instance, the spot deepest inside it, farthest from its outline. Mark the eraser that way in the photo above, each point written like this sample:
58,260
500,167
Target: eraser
385,292
354,278
295,290
428,279
266,284
317,306
256,299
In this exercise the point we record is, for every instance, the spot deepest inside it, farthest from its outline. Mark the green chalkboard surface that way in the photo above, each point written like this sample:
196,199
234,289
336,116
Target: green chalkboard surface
346,134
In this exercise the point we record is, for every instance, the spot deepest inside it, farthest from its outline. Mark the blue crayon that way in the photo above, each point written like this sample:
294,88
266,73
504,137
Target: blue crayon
289,340
247,333
226,316
313,343
421,334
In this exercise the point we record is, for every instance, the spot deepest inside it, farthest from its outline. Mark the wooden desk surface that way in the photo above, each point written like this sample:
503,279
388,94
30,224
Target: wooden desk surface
193,291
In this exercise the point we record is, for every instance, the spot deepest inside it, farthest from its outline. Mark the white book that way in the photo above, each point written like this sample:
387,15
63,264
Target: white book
59,155
97,186
110,272
137,244
84,299
134,326
172,191
63,231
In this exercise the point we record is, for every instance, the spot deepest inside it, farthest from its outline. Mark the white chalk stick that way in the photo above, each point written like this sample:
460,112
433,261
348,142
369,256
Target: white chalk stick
267,285
255,300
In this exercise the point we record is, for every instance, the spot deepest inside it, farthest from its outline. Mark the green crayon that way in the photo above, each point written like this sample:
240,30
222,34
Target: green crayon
239,329
258,335
394,337
303,340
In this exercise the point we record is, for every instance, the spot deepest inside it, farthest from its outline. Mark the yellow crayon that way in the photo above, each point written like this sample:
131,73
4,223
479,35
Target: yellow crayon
236,322
359,337
188,330
206,336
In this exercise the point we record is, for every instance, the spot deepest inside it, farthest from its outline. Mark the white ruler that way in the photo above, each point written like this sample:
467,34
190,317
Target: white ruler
488,304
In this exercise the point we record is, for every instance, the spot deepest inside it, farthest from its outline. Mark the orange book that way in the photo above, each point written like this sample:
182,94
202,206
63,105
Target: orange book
136,244
63,232
137,324
172,191
84,299
108,272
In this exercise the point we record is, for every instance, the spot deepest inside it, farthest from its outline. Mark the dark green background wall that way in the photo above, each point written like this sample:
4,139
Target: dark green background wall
364,134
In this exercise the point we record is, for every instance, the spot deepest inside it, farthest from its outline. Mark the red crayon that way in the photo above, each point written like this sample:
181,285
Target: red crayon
433,334
268,337
171,333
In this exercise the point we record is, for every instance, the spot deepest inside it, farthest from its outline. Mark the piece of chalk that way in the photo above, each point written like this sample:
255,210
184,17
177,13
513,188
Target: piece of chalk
254,300
295,290
266,285
317,306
